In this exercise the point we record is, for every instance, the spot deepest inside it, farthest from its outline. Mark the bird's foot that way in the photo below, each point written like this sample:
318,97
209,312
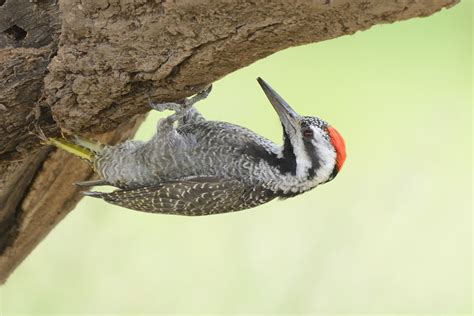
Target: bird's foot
201,95
160,107
181,109
181,105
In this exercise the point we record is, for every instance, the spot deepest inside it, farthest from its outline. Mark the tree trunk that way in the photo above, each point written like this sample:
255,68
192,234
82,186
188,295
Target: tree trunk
87,67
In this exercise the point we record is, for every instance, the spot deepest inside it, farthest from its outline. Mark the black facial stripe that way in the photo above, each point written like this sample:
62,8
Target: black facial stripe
312,153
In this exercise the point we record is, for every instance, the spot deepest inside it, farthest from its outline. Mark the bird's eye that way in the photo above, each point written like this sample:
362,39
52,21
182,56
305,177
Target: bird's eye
308,133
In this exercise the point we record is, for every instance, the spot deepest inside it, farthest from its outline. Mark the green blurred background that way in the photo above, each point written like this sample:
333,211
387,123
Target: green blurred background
391,234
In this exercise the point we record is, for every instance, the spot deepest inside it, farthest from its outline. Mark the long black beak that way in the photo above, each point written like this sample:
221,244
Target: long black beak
288,117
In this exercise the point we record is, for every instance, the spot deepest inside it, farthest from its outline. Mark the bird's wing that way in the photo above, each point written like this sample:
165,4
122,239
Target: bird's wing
191,196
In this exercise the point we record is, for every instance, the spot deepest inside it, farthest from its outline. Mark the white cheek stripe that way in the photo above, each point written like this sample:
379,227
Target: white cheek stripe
300,182
327,157
303,162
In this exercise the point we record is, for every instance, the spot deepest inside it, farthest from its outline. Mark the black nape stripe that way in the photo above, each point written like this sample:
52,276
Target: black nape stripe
333,173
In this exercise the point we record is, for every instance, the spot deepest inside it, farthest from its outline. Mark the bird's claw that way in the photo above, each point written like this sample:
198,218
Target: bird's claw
201,95
181,105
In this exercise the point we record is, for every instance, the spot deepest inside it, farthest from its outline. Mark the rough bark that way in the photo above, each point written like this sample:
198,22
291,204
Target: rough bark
87,67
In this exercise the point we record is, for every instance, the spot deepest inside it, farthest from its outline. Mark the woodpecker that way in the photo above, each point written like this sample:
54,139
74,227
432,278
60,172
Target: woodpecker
193,166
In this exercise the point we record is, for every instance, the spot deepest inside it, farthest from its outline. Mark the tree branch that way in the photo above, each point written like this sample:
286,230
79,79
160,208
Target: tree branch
109,57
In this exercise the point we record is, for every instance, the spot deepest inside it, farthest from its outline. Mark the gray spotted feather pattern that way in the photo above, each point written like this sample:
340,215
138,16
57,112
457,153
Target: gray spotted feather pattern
197,196
199,167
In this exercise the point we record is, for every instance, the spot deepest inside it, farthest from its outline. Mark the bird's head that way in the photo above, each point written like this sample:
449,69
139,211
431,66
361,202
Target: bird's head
317,147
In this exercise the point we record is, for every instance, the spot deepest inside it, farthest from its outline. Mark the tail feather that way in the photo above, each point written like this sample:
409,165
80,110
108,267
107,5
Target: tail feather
92,194
85,152
86,143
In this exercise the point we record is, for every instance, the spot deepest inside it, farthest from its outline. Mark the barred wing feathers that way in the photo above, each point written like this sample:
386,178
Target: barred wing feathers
195,196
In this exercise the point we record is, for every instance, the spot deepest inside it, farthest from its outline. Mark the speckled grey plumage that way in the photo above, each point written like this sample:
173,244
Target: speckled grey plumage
193,166
199,168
